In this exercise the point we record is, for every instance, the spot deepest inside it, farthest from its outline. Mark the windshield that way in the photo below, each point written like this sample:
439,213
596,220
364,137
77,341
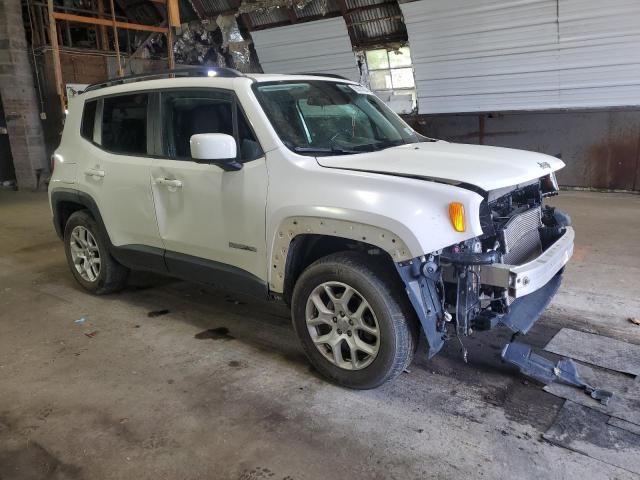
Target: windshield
329,118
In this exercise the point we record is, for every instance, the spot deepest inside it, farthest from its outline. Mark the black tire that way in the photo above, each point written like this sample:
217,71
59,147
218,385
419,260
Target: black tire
112,276
381,286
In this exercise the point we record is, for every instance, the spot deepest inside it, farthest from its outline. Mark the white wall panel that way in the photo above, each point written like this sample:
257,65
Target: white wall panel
497,55
599,53
321,46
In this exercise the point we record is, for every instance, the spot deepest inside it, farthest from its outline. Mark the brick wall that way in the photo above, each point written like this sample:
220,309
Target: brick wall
19,98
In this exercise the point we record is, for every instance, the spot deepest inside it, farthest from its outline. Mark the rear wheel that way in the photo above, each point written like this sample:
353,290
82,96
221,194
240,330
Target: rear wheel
88,256
352,320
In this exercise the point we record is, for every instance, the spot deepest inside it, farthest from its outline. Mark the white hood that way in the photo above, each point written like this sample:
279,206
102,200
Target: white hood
489,168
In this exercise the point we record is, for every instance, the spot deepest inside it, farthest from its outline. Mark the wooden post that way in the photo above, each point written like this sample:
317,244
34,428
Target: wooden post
102,30
115,39
41,24
171,60
173,20
55,53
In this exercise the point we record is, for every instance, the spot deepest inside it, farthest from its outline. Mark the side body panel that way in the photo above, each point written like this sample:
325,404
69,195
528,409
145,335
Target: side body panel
416,211
215,215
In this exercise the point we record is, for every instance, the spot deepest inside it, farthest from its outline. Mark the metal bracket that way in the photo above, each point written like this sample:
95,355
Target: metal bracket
421,283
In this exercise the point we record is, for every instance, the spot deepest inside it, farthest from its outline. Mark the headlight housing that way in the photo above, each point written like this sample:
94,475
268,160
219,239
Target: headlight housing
549,185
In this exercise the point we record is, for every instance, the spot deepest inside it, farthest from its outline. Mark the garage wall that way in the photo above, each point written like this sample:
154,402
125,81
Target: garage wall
601,148
504,55
319,46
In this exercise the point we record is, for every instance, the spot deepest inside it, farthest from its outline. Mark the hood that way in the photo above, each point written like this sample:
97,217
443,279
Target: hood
488,168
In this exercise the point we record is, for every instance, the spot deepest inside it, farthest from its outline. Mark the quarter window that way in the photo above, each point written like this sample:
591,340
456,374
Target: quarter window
88,120
249,146
124,124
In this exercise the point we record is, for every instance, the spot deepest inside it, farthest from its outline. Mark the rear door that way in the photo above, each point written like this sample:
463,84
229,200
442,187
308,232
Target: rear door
116,173
212,222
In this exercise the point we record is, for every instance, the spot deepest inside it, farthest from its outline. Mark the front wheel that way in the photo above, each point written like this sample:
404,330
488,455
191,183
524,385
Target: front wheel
352,319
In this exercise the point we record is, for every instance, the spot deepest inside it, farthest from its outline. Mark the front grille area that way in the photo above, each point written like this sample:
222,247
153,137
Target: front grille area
520,237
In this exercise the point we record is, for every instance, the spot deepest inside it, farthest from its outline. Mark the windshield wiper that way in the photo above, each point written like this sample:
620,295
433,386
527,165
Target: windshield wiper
328,151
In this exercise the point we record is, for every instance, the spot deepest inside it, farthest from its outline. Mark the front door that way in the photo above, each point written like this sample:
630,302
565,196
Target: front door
212,222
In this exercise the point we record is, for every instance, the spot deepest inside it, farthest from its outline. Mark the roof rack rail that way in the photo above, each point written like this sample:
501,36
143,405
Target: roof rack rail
177,72
330,75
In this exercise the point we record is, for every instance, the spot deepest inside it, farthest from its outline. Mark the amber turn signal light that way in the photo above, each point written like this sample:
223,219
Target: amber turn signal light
456,214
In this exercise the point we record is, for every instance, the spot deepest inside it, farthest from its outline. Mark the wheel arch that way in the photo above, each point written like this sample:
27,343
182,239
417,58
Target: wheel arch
64,202
300,240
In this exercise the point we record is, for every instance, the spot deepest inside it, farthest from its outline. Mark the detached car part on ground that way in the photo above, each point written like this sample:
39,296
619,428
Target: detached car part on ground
309,190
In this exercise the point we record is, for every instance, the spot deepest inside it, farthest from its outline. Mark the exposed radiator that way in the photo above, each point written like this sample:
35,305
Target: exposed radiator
520,237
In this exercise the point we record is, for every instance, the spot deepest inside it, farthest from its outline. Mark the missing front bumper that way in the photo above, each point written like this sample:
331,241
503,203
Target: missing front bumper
521,280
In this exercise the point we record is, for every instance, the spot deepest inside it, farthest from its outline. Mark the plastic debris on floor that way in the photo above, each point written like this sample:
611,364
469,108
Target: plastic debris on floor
607,432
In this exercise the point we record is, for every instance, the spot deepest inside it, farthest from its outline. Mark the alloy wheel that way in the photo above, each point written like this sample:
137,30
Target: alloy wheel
342,325
85,253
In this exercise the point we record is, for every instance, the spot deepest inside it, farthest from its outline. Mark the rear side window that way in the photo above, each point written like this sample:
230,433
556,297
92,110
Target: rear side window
88,120
124,124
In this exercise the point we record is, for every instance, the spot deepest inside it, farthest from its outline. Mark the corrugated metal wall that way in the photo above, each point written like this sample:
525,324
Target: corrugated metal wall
502,55
319,46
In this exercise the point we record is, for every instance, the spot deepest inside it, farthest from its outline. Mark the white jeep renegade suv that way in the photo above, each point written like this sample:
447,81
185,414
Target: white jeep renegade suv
309,190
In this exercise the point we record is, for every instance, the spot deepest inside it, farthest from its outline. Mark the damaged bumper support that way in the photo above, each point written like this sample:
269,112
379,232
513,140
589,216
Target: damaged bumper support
525,290
521,280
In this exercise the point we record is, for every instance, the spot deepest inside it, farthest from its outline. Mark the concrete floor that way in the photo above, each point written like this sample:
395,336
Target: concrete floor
157,398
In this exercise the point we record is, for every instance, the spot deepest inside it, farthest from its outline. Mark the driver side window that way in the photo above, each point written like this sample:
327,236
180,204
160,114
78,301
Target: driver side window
188,112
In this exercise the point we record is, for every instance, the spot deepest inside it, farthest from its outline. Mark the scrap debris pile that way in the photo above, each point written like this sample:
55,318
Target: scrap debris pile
266,5
217,43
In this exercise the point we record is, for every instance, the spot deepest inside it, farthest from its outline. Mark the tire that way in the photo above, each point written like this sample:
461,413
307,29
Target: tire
83,236
386,311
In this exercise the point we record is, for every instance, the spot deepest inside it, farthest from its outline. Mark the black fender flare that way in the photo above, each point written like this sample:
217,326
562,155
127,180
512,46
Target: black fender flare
60,195
140,257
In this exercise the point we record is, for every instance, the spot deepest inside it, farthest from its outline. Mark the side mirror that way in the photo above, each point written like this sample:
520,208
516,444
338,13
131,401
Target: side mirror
217,148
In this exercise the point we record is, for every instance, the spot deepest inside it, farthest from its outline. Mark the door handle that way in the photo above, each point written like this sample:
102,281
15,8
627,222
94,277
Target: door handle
171,183
94,172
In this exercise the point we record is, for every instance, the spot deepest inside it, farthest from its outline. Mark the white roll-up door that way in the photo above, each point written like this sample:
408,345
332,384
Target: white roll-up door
498,55
321,46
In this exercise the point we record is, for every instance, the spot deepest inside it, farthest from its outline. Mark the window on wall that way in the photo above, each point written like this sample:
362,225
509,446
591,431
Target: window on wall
391,77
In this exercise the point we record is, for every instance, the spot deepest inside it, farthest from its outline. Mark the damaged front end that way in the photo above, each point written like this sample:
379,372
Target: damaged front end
506,276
